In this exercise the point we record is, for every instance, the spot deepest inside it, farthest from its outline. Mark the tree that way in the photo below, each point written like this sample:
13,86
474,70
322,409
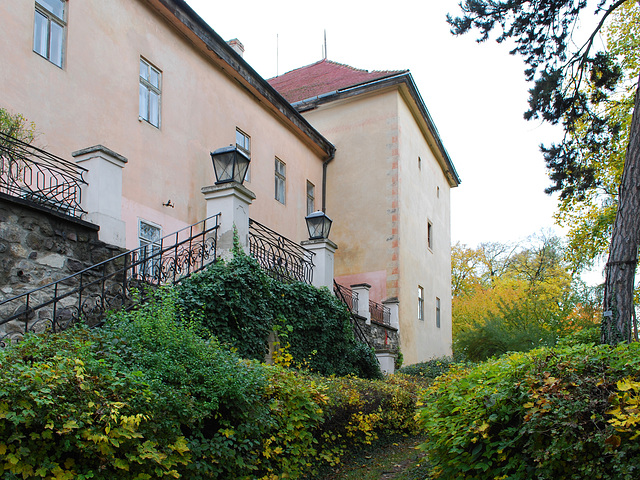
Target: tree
534,301
16,126
589,215
543,35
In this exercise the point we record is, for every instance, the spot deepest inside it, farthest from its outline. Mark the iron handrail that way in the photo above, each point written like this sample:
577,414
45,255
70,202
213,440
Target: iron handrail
33,174
89,294
280,257
380,313
340,292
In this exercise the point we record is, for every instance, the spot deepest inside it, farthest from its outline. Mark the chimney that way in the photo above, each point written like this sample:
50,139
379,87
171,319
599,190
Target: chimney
237,46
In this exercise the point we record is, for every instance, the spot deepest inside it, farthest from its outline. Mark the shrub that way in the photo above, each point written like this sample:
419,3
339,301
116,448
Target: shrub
148,397
66,414
239,304
547,414
430,369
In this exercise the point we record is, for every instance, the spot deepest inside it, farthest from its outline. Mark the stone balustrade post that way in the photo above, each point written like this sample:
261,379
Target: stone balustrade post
102,196
232,201
362,289
324,250
394,307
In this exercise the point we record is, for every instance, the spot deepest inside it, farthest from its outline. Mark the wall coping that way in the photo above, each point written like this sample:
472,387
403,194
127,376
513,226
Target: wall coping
47,211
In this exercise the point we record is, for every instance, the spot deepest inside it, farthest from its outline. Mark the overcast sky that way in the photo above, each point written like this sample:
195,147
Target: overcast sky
476,93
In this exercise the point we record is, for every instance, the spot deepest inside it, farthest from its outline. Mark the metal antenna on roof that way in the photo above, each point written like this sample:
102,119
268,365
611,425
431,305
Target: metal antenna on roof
277,55
324,50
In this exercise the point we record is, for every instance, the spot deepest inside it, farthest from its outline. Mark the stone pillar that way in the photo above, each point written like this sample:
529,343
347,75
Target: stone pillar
324,250
102,197
387,362
232,201
362,289
394,306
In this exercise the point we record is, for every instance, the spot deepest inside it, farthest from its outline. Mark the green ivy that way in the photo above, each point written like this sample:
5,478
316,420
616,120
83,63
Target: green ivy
240,304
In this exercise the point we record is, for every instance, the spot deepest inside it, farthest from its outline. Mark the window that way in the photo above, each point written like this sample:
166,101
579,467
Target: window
281,181
420,303
149,236
311,200
419,163
48,30
430,235
243,142
437,312
149,110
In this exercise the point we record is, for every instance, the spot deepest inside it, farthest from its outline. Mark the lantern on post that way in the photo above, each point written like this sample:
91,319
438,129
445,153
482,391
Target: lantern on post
318,225
229,165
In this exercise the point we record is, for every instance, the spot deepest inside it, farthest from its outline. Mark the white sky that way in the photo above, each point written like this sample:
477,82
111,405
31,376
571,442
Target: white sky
476,93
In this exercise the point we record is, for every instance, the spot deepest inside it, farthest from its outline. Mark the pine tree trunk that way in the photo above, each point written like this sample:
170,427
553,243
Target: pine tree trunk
618,308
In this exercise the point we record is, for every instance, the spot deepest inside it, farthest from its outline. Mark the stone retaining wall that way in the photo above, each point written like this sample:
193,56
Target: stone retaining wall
38,246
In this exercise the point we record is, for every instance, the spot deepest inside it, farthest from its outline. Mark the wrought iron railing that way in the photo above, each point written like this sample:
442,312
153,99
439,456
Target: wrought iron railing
110,285
280,257
30,173
348,296
343,294
380,313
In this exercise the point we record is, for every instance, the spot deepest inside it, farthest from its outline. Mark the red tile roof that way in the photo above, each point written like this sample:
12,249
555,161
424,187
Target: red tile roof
323,77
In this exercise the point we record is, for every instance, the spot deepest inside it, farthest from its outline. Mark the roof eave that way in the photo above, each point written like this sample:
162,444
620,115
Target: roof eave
404,78
182,16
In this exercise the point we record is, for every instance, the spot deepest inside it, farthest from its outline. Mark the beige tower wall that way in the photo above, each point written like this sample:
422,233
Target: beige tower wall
424,196
360,194
381,202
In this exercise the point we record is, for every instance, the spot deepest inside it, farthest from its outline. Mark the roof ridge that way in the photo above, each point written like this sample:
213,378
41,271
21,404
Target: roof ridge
339,64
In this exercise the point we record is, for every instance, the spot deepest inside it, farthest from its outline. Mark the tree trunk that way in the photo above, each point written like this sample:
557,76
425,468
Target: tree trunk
618,308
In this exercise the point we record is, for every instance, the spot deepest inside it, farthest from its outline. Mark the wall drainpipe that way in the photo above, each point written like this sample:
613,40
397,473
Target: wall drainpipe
331,156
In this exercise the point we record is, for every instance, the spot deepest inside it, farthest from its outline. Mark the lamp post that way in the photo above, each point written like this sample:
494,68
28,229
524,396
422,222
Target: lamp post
318,225
229,165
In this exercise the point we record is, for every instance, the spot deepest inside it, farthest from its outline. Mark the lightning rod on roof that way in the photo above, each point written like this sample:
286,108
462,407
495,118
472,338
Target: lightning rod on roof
277,55
324,49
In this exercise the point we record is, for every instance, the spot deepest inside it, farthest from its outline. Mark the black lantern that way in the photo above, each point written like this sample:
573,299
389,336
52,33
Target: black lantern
229,165
318,225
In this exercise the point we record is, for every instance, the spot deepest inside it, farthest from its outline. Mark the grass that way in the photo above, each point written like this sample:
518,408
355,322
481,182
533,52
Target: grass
391,459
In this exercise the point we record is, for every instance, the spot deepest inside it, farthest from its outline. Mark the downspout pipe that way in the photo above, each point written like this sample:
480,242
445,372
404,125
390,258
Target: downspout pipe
331,156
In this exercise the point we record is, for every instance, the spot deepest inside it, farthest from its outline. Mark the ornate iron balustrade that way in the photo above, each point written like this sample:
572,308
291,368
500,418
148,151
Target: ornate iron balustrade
343,294
348,296
33,174
380,313
280,257
110,285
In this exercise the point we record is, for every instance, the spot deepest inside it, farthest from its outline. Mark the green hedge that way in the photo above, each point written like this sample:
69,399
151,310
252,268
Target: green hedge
240,304
564,413
149,397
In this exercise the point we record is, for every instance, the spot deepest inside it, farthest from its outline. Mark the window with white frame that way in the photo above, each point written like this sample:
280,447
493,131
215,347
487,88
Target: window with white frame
420,303
281,180
149,236
437,312
48,30
243,142
149,92
311,199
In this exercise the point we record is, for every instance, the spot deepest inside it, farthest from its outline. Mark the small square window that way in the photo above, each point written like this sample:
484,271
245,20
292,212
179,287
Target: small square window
311,201
420,303
437,312
281,180
149,93
243,142
48,30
